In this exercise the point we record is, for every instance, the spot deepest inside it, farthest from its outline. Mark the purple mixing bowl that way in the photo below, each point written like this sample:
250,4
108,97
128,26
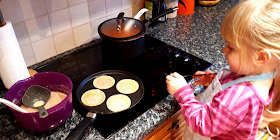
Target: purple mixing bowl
58,114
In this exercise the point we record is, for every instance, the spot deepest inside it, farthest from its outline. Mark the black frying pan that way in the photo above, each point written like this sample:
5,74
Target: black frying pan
87,84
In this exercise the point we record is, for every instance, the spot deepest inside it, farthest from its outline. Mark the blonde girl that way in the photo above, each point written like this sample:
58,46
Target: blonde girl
251,30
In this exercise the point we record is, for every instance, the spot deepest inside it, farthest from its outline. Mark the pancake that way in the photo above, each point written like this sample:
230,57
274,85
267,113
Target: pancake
127,86
118,102
93,97
104,82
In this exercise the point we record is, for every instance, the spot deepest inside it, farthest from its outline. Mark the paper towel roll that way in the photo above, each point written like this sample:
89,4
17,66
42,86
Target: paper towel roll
12,64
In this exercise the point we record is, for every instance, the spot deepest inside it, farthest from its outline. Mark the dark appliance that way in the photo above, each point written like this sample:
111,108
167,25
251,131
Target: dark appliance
159,58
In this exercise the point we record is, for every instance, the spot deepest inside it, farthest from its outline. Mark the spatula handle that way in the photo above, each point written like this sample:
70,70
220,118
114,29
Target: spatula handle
43,113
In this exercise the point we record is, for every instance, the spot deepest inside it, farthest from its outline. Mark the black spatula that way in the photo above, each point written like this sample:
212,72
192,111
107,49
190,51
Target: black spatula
36,97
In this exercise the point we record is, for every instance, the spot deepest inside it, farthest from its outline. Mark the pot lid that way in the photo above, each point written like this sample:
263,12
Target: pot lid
121,28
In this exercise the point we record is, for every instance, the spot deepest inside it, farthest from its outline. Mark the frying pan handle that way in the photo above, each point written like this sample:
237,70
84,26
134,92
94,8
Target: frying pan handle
77,133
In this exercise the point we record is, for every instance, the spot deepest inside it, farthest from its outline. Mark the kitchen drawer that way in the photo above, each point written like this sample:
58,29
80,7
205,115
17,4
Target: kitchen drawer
172,129
273,125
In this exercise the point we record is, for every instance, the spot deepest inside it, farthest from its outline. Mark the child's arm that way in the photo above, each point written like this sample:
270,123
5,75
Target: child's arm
174,82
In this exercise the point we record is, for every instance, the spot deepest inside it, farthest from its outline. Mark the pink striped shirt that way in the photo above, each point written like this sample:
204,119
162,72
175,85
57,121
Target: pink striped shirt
234,113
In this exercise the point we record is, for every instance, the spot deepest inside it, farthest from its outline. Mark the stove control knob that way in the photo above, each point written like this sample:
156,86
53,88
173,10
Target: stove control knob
150,48
177,55
186,59
196,64
168,51
170,63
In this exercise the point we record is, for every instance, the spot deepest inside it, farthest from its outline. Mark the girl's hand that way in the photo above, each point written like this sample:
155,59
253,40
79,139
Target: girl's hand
174,82
204,80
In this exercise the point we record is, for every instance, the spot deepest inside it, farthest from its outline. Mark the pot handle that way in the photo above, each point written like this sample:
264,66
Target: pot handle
120,19
79,130
165,12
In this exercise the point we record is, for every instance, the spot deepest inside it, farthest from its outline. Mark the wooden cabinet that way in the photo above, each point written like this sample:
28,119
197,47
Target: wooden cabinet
172,129
273,125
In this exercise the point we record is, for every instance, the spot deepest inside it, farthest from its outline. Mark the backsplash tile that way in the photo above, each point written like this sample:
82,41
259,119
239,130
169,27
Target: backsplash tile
79,14
55,5
11,10
28,54
128,12
113,6
64,41
76,2
45,28
126,4
33,8
114,15
97,9
94,27
60,21
38,28
44,49
21,33
82,34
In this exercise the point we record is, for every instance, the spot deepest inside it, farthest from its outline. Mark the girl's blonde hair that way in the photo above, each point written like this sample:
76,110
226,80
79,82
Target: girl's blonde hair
253,25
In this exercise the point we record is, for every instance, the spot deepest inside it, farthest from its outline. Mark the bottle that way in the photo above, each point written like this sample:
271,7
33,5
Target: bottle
153,9
162,7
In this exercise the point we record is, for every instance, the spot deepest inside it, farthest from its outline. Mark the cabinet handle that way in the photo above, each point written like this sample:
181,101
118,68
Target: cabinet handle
174,125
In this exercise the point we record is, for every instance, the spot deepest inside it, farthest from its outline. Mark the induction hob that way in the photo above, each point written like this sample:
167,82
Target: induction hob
159,58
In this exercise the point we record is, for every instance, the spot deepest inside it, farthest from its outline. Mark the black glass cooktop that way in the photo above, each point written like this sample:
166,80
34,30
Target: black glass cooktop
159,58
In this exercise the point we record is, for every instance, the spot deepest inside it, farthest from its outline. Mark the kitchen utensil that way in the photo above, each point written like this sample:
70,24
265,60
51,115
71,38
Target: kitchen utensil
170,4
140,13
162,7
12,105
124,42
137,16
58,114
86,85
191,75
36,97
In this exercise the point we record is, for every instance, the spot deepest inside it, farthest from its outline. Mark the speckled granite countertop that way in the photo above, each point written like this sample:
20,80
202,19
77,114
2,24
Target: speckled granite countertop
197,34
